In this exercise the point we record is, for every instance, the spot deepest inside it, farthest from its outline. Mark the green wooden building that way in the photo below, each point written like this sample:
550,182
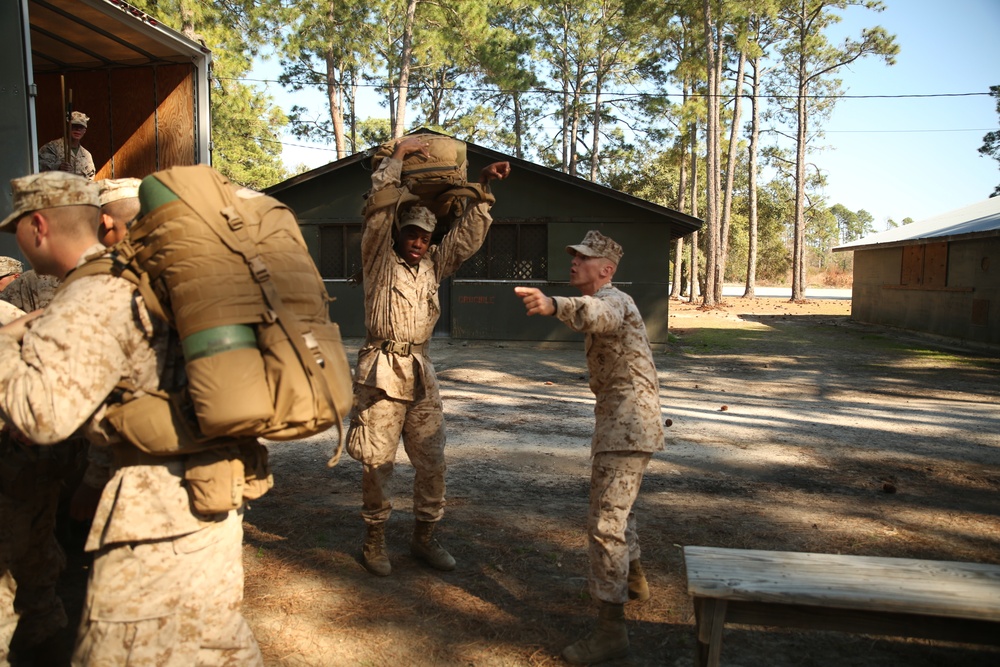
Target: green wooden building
539,211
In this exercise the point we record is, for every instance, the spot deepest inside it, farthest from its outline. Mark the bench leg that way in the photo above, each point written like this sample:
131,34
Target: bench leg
710,618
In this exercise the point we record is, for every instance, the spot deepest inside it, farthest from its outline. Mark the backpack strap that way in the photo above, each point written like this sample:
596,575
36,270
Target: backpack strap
394,197
116,261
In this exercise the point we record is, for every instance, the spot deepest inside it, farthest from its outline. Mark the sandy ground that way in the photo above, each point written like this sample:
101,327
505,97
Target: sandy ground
791,429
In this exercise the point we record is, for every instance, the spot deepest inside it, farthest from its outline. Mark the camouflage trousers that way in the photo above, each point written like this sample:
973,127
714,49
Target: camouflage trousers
377,423
30,563
611,526
170,602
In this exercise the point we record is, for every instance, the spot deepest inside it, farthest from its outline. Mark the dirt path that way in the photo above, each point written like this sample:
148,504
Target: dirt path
791,428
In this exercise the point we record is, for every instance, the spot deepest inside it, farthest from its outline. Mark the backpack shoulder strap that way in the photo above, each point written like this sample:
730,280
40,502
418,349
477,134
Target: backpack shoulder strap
113,262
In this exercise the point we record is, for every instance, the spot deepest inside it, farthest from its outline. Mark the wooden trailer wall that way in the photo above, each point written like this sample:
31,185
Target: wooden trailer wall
150,126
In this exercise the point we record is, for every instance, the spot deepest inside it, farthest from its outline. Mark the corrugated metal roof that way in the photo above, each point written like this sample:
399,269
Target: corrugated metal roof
979,219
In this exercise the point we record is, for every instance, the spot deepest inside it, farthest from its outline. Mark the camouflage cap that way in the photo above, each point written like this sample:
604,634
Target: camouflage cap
79,118
10,266
113,189
49,189
596,244
419,216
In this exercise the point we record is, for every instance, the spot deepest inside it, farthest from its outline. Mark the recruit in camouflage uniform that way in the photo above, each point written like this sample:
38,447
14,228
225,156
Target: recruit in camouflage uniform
167,583
396,389
51,156
628,429
31,482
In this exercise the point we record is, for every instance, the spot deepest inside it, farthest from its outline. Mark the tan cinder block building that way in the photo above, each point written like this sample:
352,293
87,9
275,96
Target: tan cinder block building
939,276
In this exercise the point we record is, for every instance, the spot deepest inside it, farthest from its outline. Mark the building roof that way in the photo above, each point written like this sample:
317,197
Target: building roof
681,223
977,220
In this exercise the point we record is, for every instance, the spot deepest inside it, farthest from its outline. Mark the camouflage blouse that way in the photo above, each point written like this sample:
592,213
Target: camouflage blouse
622,374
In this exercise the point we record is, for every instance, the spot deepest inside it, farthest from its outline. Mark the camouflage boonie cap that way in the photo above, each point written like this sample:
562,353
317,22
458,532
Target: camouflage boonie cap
596,244
113,189
79,118
49,189
419,216
10,266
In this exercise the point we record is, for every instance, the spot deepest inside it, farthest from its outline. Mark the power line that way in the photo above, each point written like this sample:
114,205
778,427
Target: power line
967,129
640,95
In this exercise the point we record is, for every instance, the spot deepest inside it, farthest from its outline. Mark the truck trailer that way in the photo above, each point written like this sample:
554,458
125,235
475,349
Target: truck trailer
144,86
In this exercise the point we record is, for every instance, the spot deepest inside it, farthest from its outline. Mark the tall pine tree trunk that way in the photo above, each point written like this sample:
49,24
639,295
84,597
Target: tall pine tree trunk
751,281
727,201
710,296
693,262
675,283
399,120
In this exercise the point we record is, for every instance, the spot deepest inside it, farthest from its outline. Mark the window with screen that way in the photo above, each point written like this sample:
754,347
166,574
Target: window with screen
339,251
512,251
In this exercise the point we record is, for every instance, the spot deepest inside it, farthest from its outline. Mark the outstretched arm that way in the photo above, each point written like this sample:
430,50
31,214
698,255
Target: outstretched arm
535,301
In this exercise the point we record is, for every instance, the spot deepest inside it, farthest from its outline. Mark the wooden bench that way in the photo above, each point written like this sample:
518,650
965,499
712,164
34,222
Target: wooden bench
880,596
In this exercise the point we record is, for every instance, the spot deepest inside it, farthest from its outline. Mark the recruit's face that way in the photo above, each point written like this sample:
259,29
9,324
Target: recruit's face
76,133
413,244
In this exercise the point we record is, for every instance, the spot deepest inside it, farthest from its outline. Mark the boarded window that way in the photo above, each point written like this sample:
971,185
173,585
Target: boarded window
511,252
925,265
936,265
913,265
339,250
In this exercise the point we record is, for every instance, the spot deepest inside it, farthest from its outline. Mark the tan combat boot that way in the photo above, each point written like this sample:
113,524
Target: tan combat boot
638,588
373,553
427,549
608,641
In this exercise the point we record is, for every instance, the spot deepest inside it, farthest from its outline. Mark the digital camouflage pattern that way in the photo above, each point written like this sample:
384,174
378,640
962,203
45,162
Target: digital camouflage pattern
30,291
81,162
49,190
612,535
622,374
375,444
94,333
10,266
628,428
596,244
170,603
115,189
397,395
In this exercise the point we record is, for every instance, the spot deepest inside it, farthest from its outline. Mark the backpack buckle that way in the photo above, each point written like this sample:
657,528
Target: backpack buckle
259,270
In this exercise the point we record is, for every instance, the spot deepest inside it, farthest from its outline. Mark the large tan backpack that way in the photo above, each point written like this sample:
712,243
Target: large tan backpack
229,269
438,182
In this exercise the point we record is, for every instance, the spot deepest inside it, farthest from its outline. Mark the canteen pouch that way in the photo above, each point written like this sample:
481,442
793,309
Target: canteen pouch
215,480
257,477
156,425
223,478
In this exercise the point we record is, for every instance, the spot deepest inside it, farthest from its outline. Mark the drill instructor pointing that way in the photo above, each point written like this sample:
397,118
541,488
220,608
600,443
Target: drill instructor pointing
627,431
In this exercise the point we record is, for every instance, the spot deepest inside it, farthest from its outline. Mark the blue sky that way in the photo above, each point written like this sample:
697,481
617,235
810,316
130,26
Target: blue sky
893,157
917,157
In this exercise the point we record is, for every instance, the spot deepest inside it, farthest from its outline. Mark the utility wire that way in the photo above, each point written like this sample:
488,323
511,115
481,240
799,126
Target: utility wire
549,91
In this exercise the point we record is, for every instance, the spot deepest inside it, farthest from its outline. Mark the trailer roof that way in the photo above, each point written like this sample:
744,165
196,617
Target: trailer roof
90,34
